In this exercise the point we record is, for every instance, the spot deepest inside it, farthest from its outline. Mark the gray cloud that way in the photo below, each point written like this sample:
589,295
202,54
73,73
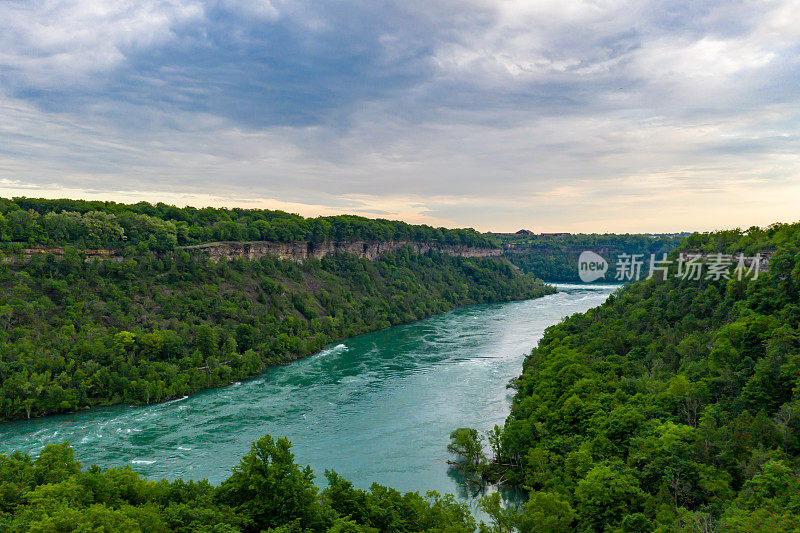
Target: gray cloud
494,114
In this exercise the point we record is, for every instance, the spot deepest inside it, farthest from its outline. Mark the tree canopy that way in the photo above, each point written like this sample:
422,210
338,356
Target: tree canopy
161,227
77,333
267,491
555,257
674,406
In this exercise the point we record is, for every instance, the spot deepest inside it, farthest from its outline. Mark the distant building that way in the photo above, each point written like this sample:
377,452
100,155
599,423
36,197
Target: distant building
520,233
553,234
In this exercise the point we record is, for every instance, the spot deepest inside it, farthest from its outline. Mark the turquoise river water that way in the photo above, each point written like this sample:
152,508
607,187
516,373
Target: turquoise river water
377,407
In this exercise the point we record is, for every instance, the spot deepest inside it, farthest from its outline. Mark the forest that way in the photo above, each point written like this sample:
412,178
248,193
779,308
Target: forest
152,327
161,227
158,321
555,257
267,491
674,406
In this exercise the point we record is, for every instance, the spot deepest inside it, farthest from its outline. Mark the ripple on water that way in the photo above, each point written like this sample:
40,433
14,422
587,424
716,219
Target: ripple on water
377,407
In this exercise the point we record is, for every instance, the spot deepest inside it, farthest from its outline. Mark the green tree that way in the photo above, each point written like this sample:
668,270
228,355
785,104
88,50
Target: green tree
270,489
547,512
605,496
467,444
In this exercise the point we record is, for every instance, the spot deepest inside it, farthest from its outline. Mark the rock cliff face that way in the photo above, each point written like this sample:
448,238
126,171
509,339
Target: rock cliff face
299,251
88,254
296,251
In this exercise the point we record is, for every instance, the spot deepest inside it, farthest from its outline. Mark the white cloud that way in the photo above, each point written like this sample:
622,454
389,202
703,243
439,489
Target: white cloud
262,9
52,42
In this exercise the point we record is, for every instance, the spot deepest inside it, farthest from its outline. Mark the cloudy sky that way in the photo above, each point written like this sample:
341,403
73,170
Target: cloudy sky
555,115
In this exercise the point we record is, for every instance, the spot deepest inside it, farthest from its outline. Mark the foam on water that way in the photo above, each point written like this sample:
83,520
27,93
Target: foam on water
339,348
376,408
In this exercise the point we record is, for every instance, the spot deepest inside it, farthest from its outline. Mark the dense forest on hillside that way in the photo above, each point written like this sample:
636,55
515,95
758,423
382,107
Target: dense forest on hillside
267,491
675,406
161,227
555,257
156,326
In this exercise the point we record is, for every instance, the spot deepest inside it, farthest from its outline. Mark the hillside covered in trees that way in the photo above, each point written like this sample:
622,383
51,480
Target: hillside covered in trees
80,333
161,227
160,321
555,257
675,406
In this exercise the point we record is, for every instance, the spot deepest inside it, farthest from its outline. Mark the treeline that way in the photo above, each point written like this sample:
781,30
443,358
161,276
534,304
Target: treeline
674,406
77,333
161,227
267,492
555,257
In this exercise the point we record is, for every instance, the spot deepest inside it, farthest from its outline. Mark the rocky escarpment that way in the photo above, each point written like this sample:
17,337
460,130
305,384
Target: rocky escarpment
298,251
25,254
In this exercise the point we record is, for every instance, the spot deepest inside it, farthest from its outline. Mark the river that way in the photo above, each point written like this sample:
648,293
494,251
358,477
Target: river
377,407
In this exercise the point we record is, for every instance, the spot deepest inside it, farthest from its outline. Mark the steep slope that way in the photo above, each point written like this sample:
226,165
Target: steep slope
148,326
673,406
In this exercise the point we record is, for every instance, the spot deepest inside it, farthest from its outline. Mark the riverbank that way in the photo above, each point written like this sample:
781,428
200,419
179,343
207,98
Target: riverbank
161,327
377,407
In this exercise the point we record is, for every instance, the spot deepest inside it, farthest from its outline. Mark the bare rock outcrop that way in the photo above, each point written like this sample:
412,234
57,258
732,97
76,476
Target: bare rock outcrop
298,251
